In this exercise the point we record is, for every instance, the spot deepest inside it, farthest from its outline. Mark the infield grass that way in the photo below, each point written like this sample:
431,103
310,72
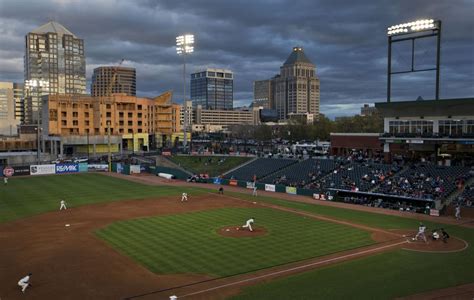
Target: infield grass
189,242
26,196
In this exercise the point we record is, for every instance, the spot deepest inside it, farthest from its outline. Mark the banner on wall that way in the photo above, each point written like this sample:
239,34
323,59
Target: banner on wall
134,169
434,212
290,190
8,171
98,167
42,169
269,187
67,168
316,196
82,167
250,185
233,182
217,180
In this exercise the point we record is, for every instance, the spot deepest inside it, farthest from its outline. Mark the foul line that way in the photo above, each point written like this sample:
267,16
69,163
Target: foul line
291,269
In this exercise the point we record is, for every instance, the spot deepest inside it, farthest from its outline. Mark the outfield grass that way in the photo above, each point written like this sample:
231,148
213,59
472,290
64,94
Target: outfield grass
26,196
209,164
189,243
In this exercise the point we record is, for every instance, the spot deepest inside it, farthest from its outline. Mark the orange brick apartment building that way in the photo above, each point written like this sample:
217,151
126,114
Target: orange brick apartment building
79,123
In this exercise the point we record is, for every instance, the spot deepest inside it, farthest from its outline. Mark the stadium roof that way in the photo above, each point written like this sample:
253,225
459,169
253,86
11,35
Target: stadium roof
297,56
52,26
428,108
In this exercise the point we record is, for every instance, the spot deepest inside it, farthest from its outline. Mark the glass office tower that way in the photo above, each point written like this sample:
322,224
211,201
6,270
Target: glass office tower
213,89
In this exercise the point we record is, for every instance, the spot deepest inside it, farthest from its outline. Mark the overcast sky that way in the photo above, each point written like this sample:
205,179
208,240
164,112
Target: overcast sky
345,39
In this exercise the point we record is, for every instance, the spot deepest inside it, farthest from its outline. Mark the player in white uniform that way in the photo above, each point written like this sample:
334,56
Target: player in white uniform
24,282
184,197
254,192
421,232
63,205
458,212
5,180
249,223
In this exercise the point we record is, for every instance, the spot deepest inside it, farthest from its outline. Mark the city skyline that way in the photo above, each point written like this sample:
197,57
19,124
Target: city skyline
347,43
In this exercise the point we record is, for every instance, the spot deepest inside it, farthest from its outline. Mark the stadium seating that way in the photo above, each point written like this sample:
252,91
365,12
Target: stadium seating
260,168
302,173
424,182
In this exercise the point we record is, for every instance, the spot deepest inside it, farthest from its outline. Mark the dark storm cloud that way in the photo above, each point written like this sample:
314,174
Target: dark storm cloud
345,39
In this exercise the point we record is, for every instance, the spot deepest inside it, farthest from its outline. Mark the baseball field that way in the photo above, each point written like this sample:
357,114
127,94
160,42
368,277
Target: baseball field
135,239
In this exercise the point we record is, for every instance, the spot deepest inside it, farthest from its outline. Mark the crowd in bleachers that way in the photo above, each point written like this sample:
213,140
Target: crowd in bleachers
425,181
466,198
358,173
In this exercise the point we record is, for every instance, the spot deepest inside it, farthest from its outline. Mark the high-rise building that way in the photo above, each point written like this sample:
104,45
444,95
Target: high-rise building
54,64
295,91
8,123
125,81
263,93
213,89
19,99
297,87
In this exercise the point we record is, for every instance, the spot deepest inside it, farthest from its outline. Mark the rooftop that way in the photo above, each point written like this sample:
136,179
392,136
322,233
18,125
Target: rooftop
297,56
55,27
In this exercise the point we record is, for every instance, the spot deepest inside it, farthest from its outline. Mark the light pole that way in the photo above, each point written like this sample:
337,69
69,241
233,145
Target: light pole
184,46
36,85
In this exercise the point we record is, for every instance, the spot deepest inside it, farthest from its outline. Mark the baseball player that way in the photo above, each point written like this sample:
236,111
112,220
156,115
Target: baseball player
184,197
254,192
421,232
63,205
249,223
221,190
5,180
457,213
25,282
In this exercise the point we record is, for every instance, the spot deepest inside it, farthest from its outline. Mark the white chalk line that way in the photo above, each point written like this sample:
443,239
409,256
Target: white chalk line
293,269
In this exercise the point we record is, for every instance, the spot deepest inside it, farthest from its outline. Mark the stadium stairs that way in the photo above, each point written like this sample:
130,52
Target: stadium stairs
162,161
240,166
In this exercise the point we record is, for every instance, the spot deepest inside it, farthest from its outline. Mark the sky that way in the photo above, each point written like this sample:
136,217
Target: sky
345,39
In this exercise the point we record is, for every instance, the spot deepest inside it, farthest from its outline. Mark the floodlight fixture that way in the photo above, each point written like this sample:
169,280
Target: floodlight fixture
185,44
412,27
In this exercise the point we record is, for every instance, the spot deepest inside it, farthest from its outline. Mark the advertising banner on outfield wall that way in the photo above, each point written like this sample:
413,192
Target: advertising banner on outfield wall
42,169
250,185
82,167
270,187
67,168
217,180
434,212
134,169
98,167
290,190
21,171
233,182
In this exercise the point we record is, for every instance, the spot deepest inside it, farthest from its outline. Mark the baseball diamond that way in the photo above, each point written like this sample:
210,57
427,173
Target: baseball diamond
131,237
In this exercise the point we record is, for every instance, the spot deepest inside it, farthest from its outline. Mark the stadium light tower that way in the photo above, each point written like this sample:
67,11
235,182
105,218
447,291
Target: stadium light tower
412,31
185,46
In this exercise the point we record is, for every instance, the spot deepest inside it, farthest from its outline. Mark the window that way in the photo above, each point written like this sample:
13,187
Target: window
86,115
75,123
64,123
130,123
108,114
64,114
75,114
130,115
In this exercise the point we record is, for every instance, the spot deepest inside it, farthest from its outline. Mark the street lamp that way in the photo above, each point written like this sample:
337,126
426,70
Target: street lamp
184,46
36,85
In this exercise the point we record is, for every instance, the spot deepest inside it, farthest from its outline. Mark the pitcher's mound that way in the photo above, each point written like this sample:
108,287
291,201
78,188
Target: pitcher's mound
238,231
